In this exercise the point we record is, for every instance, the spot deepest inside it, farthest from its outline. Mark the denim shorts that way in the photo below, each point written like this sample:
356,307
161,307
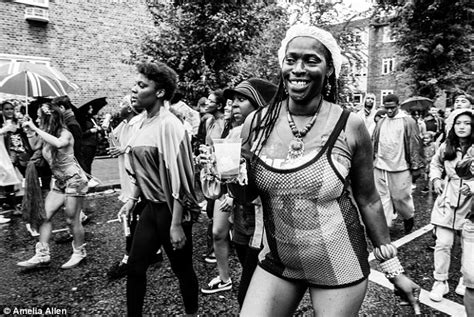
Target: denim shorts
73,186
467,268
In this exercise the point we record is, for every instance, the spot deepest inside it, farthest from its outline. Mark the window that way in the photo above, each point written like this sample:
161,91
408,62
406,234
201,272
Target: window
383,93
388,65
38,3
357,98
387,35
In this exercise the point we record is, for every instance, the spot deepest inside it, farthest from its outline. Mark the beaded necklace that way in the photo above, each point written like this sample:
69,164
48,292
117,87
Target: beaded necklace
296,148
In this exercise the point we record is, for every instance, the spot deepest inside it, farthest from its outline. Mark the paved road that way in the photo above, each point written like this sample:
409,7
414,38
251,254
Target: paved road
106,169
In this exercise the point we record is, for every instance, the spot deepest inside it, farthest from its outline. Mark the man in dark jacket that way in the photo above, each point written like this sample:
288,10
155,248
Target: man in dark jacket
398,155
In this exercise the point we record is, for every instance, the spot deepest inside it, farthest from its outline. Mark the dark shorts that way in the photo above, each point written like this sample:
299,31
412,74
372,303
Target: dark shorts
73,186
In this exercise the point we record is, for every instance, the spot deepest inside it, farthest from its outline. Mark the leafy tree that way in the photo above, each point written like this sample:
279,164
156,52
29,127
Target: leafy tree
435,37
204,41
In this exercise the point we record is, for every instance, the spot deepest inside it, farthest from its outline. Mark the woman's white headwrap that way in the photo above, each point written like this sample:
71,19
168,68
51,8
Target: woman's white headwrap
321,35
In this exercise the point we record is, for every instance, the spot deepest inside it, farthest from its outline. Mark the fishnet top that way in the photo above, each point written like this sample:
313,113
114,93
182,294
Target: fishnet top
313,232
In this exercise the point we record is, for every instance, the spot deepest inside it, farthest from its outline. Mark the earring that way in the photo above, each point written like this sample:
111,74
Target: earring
328,88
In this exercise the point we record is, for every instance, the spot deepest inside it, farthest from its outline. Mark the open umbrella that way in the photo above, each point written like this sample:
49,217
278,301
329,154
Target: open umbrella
96,105
416,103
31,80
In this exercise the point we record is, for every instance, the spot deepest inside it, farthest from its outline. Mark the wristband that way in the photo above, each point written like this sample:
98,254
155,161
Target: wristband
392,268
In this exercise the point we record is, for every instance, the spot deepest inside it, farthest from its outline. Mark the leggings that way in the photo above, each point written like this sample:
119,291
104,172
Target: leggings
248,258
152,232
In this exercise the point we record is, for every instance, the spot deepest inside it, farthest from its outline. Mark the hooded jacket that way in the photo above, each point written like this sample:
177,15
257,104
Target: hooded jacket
411,140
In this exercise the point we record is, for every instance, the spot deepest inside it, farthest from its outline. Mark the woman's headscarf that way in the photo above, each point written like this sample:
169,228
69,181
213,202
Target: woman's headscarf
321,35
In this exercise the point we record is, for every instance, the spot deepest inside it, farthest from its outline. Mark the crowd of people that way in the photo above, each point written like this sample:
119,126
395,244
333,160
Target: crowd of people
306,189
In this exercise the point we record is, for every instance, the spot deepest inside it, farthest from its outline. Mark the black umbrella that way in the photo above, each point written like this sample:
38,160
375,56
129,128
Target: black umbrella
96,105
416,103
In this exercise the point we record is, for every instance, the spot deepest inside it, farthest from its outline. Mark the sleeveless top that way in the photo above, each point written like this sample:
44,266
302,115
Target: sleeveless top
313,232
63,165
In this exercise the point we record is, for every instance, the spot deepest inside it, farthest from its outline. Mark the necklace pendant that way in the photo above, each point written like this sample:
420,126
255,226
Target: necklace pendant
296,149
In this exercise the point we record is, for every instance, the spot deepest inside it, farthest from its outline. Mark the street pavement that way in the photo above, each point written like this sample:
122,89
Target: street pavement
107,171
86,291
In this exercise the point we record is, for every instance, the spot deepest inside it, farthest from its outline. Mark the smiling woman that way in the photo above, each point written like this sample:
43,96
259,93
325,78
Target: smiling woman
309,161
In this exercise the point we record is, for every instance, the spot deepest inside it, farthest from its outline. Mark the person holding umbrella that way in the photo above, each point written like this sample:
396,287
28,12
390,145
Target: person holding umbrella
68,189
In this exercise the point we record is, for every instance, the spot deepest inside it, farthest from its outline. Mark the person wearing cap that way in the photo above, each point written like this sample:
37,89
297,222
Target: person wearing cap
311,164
454,199
247,96
398,153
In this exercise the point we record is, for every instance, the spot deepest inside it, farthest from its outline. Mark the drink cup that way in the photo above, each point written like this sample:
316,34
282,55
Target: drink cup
227,154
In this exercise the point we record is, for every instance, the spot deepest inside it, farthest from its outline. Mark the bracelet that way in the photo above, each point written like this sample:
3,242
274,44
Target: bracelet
133,198
385,252
392,268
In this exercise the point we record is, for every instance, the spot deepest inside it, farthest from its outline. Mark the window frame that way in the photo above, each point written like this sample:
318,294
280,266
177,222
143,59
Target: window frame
36,3
388,65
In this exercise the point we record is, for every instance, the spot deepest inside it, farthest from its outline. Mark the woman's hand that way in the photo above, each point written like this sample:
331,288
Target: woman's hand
205,156
409,291
115,151
226,204
177,236
465,190
126,209
438,186
28,124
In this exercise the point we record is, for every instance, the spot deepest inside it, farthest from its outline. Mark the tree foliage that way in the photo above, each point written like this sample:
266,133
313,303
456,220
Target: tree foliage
435,37
205,41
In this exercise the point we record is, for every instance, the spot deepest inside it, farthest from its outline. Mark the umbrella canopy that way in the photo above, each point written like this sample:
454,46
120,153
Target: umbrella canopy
96,105
416,103
35,104
30,80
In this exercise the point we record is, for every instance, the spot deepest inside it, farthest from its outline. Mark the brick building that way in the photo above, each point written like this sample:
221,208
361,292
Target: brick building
383,74
88,41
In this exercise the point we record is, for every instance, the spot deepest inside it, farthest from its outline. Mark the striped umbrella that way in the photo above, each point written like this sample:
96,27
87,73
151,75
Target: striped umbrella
33,80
